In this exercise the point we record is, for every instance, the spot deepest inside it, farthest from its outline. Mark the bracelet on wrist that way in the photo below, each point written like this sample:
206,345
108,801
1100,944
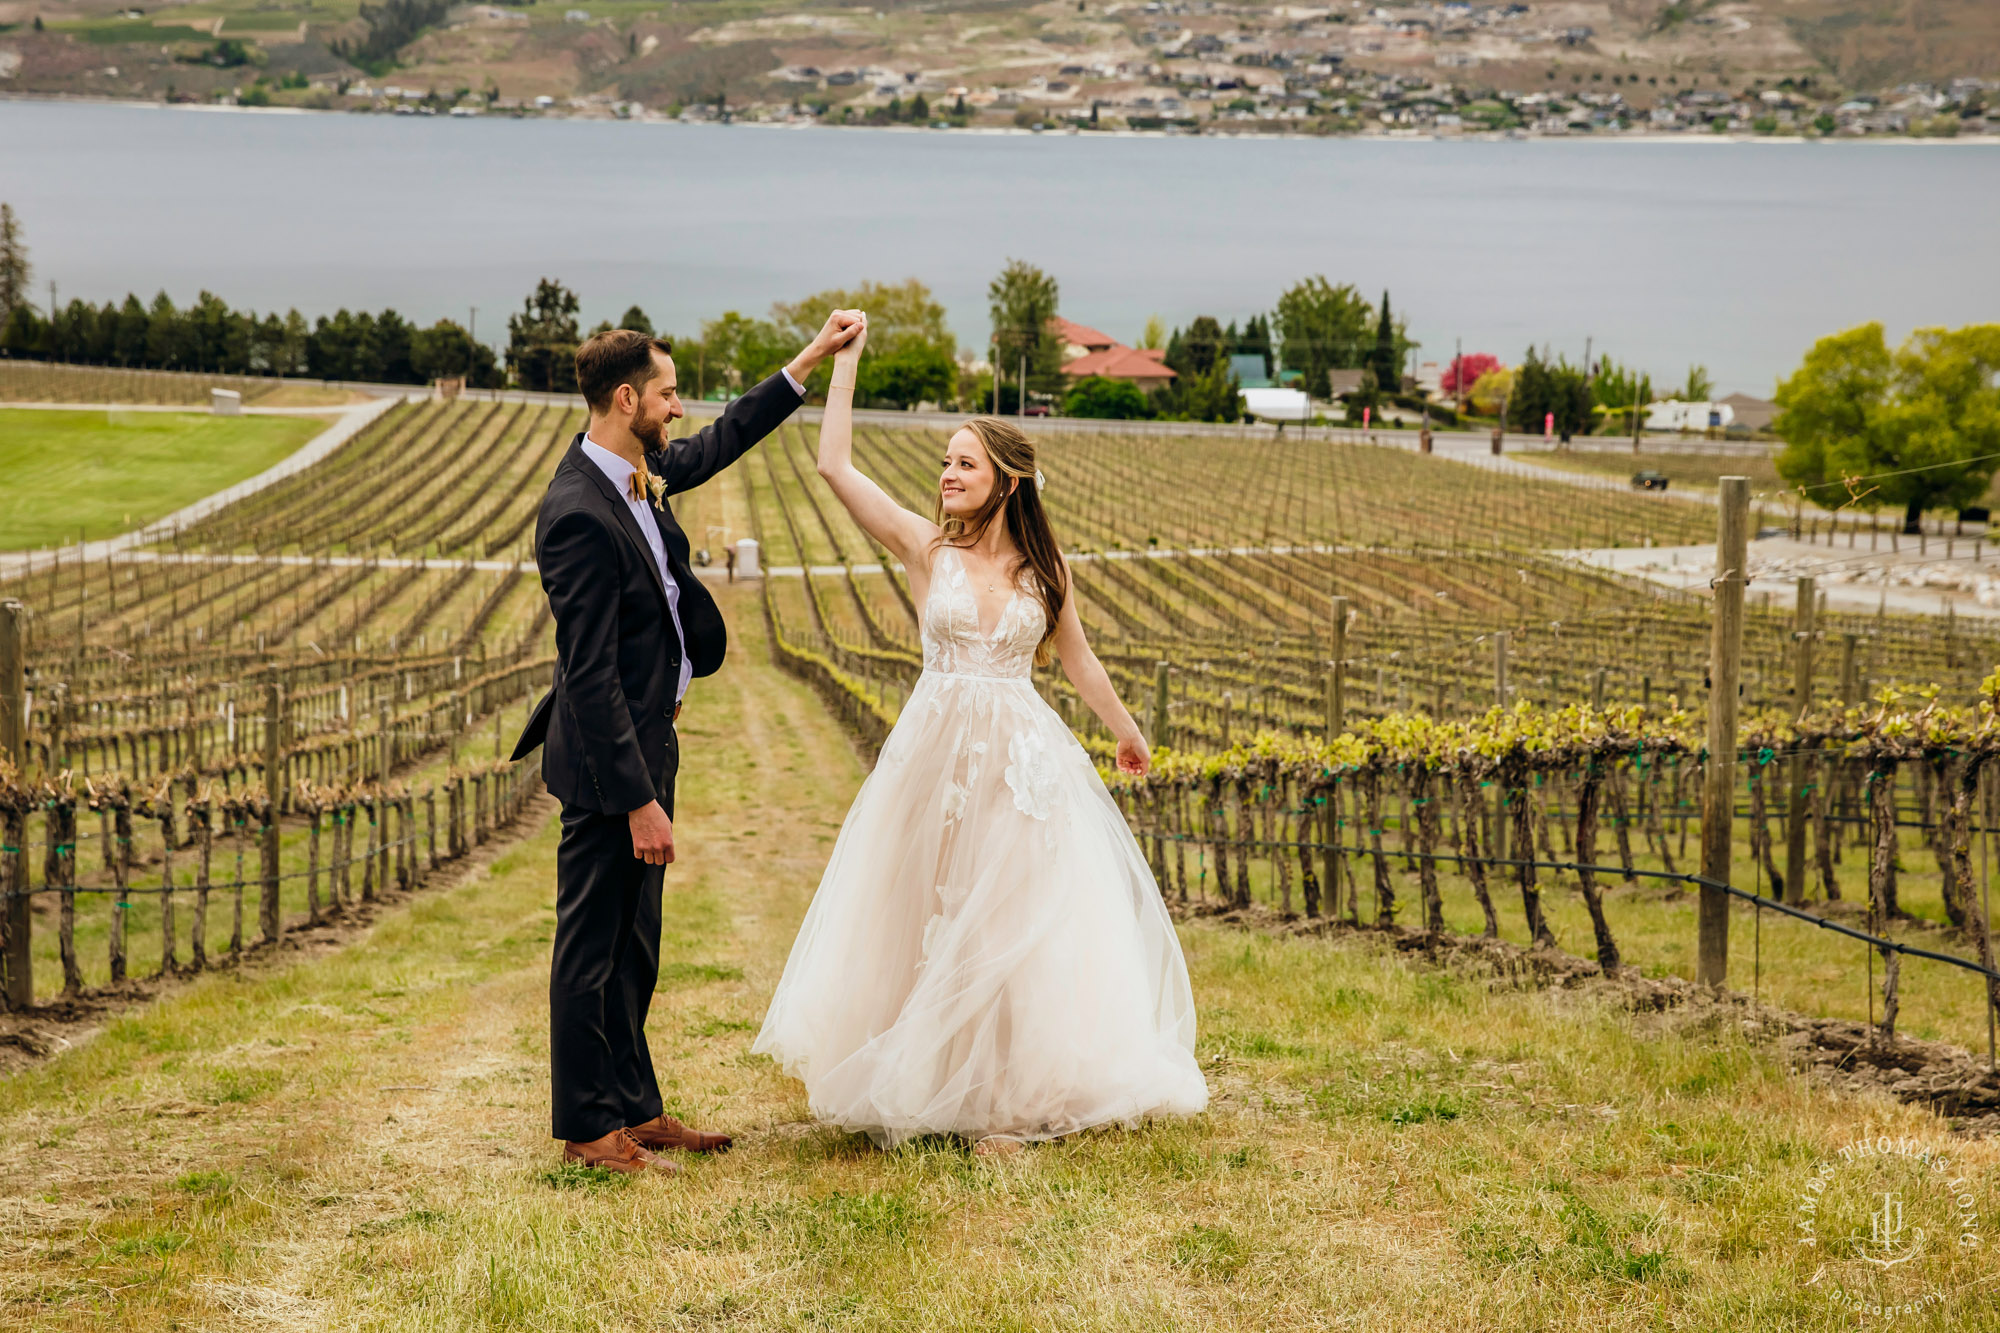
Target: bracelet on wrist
841,384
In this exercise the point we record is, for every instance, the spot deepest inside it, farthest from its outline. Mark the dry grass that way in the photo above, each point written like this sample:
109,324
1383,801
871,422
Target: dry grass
359,1142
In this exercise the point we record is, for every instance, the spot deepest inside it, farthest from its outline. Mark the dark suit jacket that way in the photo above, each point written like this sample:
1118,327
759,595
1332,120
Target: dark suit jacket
608,721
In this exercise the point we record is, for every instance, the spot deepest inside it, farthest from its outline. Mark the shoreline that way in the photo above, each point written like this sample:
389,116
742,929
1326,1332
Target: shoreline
1365,136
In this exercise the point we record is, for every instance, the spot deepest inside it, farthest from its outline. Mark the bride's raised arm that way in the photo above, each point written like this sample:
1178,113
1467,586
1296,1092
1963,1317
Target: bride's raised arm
906,535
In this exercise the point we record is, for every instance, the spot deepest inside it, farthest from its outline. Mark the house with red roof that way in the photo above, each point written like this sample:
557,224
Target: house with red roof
1088,352
1081,339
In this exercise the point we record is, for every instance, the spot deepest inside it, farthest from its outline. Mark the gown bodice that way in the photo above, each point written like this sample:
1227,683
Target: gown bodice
953,641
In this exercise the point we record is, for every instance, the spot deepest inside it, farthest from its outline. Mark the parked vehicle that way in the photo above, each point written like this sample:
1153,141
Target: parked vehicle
1649,481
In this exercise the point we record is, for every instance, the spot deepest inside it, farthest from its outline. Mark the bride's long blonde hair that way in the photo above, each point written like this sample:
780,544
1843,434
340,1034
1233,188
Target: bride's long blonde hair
1019,506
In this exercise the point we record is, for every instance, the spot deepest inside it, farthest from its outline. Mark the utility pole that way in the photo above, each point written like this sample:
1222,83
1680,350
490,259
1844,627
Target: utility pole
996,373
1718,773
1021,399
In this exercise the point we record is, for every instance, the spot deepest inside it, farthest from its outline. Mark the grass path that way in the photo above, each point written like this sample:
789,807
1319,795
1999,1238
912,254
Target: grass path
109,472
360,1141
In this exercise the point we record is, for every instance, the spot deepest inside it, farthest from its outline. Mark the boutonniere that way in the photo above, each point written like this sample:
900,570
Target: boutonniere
656,487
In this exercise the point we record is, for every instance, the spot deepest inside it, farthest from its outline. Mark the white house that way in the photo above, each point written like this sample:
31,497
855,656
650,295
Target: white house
1277,404
1676,415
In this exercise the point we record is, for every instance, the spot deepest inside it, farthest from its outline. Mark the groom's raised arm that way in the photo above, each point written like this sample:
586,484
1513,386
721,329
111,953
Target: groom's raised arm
691,460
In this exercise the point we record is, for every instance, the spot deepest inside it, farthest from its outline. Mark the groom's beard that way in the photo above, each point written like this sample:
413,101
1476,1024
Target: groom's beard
652,434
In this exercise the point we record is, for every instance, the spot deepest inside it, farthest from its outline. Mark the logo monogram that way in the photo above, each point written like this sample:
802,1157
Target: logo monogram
1885,1227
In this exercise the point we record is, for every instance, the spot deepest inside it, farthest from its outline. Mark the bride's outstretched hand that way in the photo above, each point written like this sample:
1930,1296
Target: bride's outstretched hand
1134,757
850,351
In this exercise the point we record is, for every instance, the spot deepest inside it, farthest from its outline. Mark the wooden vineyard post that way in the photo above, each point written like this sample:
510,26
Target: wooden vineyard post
1162,705
1336,680
1718,773
1847,681
268,914
1795,777
164,812
16,958
312,860
1500,668
118,853
383,761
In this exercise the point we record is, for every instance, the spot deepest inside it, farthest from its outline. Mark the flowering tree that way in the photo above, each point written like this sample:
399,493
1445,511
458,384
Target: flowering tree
1466,370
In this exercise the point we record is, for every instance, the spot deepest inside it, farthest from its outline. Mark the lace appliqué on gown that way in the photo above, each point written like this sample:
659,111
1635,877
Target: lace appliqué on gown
1031,775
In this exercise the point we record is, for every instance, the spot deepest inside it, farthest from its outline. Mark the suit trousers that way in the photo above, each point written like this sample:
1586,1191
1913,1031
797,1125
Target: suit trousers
606,963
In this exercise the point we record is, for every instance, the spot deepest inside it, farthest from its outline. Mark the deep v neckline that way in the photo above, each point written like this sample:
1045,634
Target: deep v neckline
978,611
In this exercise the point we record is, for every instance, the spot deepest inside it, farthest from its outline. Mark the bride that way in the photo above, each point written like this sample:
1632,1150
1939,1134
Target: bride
987,955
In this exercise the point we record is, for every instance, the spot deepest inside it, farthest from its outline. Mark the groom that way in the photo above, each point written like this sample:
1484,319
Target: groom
633,627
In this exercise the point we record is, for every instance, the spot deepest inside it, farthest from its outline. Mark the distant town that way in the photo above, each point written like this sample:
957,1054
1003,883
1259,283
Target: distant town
1649,67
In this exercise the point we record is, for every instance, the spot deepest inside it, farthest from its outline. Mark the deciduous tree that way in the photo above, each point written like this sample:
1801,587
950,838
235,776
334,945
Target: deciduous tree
1917,429
1321,327
1022,303
1465,371
1111,399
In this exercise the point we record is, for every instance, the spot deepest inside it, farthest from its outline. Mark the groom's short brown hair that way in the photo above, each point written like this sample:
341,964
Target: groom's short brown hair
614,357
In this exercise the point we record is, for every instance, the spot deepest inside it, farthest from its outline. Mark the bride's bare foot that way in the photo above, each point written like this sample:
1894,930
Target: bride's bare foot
995,1146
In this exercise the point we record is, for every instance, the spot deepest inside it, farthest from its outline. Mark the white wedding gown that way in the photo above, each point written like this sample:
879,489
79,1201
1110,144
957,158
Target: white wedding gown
987,953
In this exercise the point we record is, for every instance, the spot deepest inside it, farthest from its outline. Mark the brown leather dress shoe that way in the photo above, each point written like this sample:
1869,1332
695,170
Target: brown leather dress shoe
663,1132
617,1151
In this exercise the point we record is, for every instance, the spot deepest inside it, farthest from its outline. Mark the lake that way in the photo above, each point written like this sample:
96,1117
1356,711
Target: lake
1736,255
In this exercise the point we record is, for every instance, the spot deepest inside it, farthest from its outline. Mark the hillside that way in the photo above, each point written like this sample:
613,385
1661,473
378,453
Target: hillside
1870,43
977,61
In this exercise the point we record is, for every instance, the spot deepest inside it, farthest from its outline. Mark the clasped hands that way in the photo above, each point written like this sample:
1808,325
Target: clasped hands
840,329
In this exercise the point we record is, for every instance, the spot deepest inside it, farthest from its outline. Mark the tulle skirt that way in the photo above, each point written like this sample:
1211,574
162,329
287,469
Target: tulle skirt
987,954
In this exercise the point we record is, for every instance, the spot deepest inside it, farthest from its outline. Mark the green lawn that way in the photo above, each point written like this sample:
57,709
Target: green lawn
106,472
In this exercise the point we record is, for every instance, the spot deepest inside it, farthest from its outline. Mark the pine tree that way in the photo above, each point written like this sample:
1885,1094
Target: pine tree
14,271
1388,366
